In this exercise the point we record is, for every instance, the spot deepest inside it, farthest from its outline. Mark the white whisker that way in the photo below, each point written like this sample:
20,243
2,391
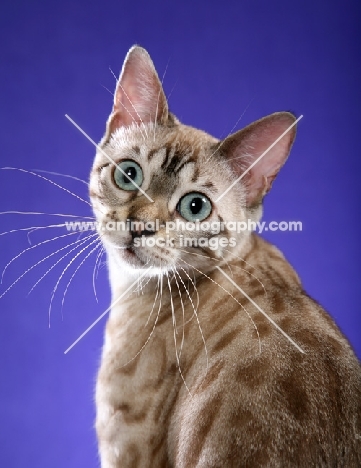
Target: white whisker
152,331
32,228
225,290
33,247
183,313
135,110
230,133
62,175
46,214
154,302
64,271
175,334
197,318
32,267
48,180
79,243
75,272
262,311
96,270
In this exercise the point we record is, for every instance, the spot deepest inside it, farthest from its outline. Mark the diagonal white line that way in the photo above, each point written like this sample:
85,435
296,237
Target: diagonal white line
106,311
258,159
105,154
262,311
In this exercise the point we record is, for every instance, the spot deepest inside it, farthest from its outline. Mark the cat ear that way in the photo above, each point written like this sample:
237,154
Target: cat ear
139,97
244,147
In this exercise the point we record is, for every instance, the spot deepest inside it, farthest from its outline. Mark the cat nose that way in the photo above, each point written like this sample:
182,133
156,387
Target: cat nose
137,228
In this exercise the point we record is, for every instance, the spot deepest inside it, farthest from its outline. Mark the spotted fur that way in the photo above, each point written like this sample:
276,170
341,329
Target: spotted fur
192,374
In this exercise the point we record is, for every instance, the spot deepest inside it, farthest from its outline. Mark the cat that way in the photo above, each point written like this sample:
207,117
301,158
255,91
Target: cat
214,355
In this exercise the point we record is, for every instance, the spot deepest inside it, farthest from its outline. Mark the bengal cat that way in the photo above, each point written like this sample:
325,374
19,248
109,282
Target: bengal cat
214,355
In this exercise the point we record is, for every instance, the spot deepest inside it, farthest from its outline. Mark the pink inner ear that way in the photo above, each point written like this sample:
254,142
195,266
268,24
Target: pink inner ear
139,96
247,145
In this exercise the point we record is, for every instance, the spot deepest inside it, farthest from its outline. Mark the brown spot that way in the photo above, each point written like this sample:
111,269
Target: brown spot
189,161
222,320
152,153
209,185
335,345
176,159
209,378
136,149
226,339
254,283
278,303
168,150
263,329
130,415
286,323
205,421
195,174
295,397
253,374
92,193
306,337
164,317
113,215
164,408
130,368
241,417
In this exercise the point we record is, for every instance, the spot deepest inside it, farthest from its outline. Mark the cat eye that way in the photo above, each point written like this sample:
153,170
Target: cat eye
132,172
194,206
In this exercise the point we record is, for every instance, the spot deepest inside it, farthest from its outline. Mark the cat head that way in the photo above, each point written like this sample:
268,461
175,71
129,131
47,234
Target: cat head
167,195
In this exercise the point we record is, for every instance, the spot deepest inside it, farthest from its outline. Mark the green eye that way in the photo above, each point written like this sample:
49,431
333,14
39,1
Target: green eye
194,206
132,172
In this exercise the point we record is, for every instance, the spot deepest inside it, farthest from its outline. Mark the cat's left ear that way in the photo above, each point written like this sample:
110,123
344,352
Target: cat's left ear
139,97
244,147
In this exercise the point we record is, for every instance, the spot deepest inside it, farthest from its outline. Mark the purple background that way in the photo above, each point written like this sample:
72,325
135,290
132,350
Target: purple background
257,55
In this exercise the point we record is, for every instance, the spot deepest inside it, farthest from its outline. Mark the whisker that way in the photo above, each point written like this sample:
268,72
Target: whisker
62,175
193,284
183,313
197,318
159,92
135,110
234,265
75,272
125,108
33,266
96,270
230,133
154,302
64,271
261,310
48,180
79,243
32,227
225,290
246,271
152,331
30,248
46,214
175,334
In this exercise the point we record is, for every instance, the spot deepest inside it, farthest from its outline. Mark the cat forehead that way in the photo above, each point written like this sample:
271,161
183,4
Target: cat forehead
150,139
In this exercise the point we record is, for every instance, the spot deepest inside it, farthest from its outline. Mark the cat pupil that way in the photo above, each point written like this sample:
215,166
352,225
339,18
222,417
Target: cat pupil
131,172
196,205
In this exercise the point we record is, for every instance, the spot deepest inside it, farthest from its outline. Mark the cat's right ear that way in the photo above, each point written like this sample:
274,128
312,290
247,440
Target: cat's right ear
139,97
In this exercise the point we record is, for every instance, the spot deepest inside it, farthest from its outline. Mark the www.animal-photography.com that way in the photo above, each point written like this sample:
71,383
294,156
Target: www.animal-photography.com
180,255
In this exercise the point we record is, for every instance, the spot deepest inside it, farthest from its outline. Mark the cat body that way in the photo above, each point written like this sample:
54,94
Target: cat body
214,356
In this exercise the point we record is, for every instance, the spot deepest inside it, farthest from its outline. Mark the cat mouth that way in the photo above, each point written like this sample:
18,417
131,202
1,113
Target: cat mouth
129,255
